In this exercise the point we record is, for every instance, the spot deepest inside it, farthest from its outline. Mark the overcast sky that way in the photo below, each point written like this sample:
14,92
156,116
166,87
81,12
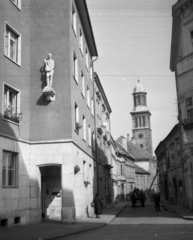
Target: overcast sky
133,38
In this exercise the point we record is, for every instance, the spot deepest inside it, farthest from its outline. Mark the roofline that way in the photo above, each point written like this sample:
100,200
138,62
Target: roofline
99,85
169,134
80,4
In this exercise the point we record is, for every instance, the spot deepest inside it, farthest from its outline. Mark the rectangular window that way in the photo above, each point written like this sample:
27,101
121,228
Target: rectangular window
75,67
84,127
81,41
86,58
89,135
191,36
91,72
190,113
77,123
189,102
11,104
93,141
9,169
17,3
12,44
73,18
88,96
92,106
83,84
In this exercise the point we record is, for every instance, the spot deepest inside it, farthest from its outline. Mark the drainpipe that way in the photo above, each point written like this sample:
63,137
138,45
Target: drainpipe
95,129
180,142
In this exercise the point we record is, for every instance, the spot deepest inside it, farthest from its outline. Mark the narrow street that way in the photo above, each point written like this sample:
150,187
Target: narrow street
142,223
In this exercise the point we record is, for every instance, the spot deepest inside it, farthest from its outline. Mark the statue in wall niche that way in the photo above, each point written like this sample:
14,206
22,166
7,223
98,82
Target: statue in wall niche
48,91
49,69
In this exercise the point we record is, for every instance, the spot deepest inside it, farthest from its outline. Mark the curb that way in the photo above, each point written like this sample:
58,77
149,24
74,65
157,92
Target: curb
184,217
87,230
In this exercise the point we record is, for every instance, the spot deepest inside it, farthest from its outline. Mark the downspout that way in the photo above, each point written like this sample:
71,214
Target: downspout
95,129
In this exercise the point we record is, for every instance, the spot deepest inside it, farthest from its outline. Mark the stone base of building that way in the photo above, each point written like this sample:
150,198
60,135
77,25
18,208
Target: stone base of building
68,214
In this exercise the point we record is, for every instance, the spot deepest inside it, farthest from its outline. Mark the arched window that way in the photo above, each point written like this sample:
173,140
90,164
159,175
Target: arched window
139,121
139,100
136,122
143,121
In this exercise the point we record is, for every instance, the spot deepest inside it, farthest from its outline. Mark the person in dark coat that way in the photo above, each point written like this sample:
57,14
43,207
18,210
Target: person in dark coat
157,202
97,205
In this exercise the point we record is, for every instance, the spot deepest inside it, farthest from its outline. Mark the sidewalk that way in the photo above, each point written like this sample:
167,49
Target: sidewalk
51,230
181,211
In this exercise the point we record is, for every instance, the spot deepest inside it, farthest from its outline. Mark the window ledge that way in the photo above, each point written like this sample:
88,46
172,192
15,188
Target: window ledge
76,131
75,80
10,187
16,6
7,120
19,65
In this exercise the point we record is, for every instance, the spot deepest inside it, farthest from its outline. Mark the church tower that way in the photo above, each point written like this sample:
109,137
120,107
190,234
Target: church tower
141,124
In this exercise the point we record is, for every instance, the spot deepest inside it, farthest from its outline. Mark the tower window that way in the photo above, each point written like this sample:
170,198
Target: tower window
136,122
141,145
143,118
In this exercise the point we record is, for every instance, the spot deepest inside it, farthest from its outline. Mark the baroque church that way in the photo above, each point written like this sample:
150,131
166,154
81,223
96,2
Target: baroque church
140,144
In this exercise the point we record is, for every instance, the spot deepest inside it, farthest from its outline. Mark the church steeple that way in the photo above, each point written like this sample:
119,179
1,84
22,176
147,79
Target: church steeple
141,124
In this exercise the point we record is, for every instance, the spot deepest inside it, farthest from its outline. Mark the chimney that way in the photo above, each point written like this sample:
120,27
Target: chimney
128,137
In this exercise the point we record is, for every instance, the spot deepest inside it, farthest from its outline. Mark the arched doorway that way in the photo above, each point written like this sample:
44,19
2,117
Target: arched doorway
51,195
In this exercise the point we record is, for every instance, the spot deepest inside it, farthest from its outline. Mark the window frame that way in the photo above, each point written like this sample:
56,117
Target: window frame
81,41
87,58
89,136
83,84
84,127
75,67
4,105
88,96
189,107
15,184
74,19
8,30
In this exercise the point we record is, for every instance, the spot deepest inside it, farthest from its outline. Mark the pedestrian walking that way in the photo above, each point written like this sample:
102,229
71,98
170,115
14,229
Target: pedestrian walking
157,202
97,205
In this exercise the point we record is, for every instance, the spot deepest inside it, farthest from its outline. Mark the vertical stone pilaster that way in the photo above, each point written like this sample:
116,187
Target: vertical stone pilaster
68,204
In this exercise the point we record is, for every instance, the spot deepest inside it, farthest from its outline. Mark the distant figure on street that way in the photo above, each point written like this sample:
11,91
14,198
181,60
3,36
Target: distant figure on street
97,205
157,202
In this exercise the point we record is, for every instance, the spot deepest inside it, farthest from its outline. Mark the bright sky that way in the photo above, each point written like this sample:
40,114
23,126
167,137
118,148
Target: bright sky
133,38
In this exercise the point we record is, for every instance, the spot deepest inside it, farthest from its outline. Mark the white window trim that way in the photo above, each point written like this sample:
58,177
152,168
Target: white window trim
88,96
84,127
74,18
7,25
81,41
18,101
15,170
75,67
83,84
89,135
87,58
17,5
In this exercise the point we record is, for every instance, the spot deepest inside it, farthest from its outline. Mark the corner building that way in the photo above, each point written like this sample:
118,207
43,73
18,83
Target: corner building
47,158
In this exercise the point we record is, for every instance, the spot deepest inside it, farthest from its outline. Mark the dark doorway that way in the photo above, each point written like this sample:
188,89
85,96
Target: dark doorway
51,195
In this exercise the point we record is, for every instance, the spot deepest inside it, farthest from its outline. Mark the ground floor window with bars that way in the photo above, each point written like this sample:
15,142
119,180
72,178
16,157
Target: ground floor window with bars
9,169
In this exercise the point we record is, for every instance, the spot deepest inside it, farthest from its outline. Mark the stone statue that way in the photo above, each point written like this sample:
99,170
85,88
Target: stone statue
49,69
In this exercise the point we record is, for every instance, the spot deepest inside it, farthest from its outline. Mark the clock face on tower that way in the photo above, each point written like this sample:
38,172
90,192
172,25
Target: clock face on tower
140,135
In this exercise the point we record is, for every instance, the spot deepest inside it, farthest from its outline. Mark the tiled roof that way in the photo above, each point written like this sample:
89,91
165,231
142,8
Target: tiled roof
140,170
136,151
119,146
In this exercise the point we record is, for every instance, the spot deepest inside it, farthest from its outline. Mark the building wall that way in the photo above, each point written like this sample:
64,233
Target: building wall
181,63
